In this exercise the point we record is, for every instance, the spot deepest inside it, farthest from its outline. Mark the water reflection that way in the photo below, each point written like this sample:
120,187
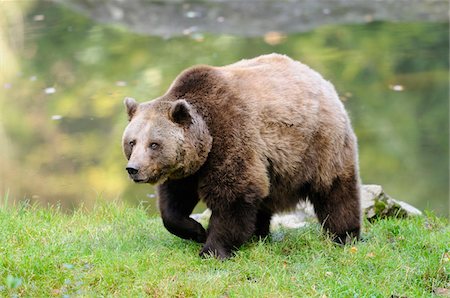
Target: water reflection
253,18
64,76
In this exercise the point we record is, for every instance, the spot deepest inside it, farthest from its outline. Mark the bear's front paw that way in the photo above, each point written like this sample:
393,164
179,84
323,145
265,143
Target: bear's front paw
215,251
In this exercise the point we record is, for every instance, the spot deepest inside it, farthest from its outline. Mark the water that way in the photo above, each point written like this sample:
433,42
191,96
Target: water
64,77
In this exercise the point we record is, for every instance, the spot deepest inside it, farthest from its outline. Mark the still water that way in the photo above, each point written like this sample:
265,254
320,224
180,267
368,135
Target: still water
65,72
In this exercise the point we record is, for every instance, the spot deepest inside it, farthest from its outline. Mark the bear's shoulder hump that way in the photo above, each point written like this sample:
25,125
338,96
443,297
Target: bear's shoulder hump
196,78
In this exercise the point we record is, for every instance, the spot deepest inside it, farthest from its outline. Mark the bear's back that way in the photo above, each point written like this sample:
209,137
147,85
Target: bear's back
277,78
290,99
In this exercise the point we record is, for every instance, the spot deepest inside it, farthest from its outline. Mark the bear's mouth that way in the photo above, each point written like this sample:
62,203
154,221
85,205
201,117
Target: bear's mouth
154,179
139,180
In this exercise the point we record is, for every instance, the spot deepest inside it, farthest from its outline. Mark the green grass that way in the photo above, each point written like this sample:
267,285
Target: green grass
120,251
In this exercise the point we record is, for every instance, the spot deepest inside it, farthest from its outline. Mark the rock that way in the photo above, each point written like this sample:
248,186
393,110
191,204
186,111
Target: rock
202,217
375,203
301,216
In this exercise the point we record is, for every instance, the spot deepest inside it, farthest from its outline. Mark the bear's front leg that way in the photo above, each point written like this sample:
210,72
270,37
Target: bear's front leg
177,199
229,227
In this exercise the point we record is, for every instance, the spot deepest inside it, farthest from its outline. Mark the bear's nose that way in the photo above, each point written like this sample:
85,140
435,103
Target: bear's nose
131,170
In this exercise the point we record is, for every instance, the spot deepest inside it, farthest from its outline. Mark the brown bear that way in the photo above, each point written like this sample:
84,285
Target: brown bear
249,139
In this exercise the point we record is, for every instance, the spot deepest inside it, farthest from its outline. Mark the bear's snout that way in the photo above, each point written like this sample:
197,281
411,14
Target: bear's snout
140,174
133,172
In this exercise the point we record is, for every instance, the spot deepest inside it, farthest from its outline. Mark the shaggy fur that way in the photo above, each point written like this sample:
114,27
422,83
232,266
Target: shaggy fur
249,139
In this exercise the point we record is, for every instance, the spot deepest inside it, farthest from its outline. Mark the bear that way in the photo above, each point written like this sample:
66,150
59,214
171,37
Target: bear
249,139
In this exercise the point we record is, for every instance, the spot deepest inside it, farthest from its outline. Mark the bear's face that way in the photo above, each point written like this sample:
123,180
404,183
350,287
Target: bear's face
164,140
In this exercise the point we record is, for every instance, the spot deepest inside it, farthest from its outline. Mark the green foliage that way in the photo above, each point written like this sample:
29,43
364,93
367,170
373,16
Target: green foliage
114,250
381,209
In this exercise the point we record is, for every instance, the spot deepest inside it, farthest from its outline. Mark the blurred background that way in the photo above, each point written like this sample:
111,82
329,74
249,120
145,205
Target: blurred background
66,67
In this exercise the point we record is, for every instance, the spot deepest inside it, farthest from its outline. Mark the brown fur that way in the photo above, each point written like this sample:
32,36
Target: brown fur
250,139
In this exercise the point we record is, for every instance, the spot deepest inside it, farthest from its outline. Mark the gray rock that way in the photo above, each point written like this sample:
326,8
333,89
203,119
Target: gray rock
301,216
202,217
375,203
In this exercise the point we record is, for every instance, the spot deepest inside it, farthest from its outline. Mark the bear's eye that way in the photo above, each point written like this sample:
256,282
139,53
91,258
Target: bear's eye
154,146
132,143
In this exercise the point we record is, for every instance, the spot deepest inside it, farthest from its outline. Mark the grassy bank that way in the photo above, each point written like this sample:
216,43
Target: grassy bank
115,250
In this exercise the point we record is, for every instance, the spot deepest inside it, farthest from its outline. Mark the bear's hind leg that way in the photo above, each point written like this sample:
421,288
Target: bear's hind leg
338,209
177,199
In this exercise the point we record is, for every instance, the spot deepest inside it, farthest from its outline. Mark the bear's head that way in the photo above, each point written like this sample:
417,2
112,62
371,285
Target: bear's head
164,139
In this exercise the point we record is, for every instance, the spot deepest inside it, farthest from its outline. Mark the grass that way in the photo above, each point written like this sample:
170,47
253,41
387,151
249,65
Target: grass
119,251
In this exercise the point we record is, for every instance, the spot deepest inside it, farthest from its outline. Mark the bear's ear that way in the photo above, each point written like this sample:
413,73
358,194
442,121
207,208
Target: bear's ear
131,105
180,113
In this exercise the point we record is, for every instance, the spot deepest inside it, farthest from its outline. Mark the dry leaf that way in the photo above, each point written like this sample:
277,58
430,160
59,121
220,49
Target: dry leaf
442,292
274,37
370,255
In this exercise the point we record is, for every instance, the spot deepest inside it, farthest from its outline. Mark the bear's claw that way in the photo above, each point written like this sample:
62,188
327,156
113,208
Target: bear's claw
218,253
